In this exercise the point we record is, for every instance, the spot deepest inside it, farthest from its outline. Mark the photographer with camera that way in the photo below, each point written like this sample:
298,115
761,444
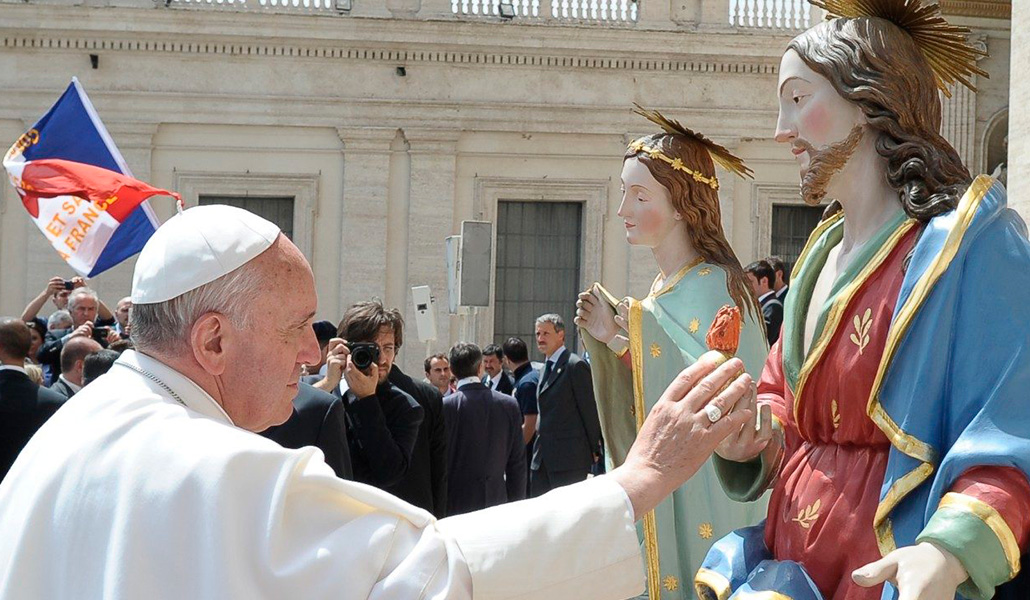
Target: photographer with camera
382,421
84,306
58,290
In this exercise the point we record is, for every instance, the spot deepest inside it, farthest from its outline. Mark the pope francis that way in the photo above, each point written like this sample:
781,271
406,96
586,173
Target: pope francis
150,483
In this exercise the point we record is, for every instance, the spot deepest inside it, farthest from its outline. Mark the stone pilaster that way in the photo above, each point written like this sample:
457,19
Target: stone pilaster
363,219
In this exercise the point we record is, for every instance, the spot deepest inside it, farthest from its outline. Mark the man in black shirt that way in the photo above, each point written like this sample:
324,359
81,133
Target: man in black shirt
382,421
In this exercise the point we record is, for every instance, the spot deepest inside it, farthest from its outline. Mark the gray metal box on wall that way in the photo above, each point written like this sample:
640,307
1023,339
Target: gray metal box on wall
475,265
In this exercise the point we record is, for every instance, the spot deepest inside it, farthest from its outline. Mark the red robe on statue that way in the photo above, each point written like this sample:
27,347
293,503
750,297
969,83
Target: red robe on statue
824,500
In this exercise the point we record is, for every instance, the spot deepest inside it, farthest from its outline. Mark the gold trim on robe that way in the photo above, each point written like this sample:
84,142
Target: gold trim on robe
636,344
904,442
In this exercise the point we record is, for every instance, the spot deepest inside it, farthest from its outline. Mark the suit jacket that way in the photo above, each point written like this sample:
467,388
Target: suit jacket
425,483
24,407
568,429
317,420
505,386
772,312
381,431
61,388
311,379
485,454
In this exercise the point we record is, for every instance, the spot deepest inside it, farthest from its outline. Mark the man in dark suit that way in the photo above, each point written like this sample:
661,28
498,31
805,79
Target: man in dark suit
425,483
485,453
24,405
73,360
569,431
527,379
496,378
382,421
762,276
317,420
782,276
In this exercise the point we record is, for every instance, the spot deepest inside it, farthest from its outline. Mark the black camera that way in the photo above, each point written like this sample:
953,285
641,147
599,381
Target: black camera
364,354
100,333
69,284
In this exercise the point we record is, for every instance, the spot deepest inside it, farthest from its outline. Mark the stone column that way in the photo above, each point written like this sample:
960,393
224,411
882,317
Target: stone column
1019,115
959,123
398,219
433,165
363,222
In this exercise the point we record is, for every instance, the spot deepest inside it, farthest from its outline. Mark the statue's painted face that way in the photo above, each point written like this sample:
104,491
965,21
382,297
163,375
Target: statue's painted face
822,128
646,208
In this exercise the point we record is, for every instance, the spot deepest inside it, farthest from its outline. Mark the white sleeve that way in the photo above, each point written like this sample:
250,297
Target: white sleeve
343,540
577,541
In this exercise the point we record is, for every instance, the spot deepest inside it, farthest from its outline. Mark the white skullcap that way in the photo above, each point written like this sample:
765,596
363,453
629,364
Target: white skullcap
196,247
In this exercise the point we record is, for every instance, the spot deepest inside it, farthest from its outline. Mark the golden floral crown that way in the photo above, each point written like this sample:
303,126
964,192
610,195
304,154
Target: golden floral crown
945,46
718,153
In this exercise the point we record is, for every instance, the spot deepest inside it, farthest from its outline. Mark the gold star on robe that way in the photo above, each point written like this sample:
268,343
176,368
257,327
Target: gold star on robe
705,531
671,583
695,324
656,350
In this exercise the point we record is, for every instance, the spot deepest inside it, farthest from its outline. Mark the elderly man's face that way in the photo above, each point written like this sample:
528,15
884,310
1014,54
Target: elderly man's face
263,360
85,311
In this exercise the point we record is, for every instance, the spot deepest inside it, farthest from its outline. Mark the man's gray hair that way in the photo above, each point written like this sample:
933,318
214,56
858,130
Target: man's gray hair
165,326
553,319
59,317
78,294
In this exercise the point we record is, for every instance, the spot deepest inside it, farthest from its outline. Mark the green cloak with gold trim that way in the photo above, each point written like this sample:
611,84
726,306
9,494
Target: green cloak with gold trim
667,332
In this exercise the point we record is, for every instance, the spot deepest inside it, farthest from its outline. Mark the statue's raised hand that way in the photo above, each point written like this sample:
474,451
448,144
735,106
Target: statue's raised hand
596,316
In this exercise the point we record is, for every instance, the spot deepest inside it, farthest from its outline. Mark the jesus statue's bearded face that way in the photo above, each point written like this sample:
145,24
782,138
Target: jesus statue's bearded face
822,128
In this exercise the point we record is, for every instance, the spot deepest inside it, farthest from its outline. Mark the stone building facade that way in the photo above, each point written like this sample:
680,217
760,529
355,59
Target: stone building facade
386,124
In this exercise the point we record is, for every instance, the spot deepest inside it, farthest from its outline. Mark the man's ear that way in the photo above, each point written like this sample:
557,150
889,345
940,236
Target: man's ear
208,339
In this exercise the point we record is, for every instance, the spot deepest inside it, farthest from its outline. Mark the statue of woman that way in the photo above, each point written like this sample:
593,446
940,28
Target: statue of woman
671,205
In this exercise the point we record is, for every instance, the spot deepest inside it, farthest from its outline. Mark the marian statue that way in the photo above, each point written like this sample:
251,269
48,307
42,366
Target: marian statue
671,205
900,445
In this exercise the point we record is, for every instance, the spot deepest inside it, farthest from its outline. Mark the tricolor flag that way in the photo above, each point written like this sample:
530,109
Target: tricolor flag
77,188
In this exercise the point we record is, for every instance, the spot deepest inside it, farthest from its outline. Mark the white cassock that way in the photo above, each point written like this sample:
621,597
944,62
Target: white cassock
141,488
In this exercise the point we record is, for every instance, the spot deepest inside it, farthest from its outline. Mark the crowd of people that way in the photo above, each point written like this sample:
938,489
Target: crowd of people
484,425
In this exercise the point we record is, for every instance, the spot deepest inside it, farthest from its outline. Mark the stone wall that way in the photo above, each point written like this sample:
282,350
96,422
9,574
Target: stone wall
393,122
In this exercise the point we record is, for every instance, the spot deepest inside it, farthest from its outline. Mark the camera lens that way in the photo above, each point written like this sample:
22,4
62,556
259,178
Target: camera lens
362,357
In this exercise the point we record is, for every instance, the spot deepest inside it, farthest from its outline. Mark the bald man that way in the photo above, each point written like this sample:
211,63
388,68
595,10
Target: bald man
24,405
73,356
150,484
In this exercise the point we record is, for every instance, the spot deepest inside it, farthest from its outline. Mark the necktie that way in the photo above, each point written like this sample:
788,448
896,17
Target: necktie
547,371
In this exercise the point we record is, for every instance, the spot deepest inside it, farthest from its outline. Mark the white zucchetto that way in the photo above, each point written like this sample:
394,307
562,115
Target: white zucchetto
195,247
